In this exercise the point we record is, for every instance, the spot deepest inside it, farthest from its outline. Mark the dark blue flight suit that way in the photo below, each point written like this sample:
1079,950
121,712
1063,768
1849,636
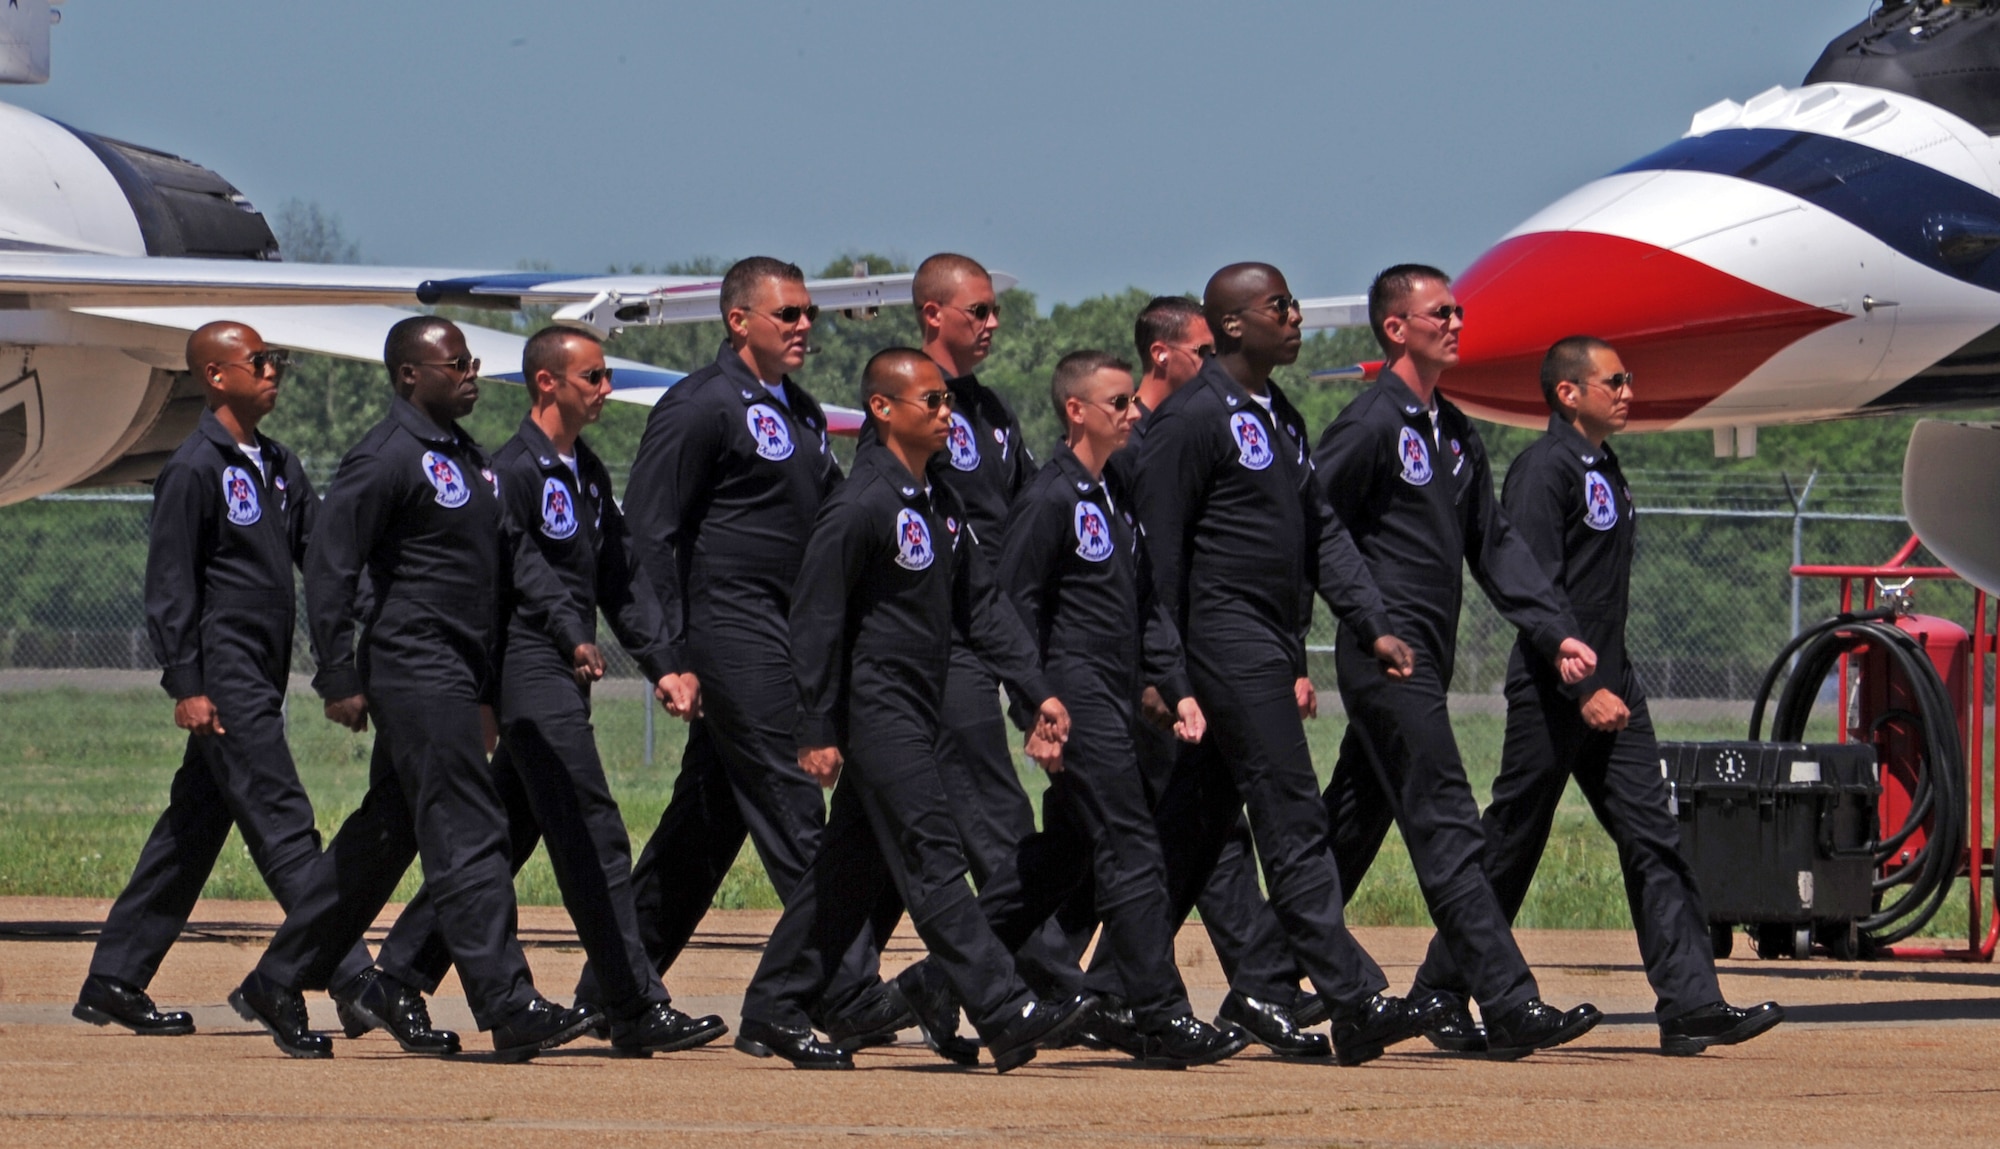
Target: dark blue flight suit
1248,941
1569,502
1417,499
220,606
721,499
1076,574
546,768
986,463
414,507
890,571
1224,493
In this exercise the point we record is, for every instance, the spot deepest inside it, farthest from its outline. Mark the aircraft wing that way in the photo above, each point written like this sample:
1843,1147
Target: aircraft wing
1334,311
78,281
356,332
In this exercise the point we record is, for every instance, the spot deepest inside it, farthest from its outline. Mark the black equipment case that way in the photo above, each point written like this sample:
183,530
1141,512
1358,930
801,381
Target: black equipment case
1777,832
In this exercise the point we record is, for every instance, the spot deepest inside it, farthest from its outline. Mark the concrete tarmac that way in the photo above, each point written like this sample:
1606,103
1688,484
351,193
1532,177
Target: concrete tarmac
1875,1053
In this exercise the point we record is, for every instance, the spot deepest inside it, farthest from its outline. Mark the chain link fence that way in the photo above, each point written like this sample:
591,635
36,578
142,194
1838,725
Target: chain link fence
1712,596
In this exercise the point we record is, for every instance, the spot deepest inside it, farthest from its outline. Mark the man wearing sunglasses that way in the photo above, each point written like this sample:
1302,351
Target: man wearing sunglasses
1568,498
1403,470
728,479
546,769
985,463
889,573
1224,496
232,515
1074,570
415,507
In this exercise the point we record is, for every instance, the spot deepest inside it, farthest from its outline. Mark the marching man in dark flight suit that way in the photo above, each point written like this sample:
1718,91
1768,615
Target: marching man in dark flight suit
985,463
546,768
414,507
890,571
1073,568
1224,498
1403,470
232,513
1568,500
1173,340
731,472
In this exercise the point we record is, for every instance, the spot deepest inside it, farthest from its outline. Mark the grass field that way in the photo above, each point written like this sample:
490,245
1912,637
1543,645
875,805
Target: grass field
84,775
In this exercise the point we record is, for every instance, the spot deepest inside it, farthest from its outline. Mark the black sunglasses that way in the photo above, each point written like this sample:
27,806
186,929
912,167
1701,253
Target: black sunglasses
928,400
275,360
1281,306
595,375
1120,401
464,364
1622,381
981,312
792,314
1443,313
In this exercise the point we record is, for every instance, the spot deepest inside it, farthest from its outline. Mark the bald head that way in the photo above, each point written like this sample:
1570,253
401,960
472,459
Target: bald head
896,372
220,342
938,277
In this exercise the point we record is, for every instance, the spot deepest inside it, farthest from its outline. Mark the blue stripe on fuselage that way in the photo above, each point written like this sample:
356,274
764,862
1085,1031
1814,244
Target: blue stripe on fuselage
1937,220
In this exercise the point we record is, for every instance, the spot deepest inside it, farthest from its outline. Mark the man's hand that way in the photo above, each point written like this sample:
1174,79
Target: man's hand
821,764
1193,723
1153,708
1052,721
1605,711
1397,659
197,715
680,694
349,712
1046,754
589,662
1307,698
1575,661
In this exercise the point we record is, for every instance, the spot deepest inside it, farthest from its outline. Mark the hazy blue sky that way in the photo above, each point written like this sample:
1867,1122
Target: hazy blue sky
1083,146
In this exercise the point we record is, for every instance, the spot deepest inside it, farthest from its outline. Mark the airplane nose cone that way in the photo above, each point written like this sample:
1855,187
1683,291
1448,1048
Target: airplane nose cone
1687,331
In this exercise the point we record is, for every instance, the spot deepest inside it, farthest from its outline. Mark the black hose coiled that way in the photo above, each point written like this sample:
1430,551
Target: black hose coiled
1940,793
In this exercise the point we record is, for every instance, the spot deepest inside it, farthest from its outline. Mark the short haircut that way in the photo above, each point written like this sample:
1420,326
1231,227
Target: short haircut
408,339
937,277
1164,320
739,283
548,350
884,373
1074,371
1391,288
1568,358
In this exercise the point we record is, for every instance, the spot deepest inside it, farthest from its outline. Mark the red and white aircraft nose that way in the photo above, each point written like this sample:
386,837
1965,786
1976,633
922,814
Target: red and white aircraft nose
1802,256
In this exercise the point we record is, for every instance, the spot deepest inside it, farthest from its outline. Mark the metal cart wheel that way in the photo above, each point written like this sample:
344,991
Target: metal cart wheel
1772,939
1802,939
1721,939
1843,940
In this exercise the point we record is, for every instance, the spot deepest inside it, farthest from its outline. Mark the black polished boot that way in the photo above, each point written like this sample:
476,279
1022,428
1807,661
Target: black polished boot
876,1020
663,1029
1448,1024
923,991
1270,1025
1535,1024
1310,1011
352,1024
1362,1032
796,1045
1039,1024
106,1000
281,1010
1718,1024
542,1025
1188,1041
383,1002
1111,1026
